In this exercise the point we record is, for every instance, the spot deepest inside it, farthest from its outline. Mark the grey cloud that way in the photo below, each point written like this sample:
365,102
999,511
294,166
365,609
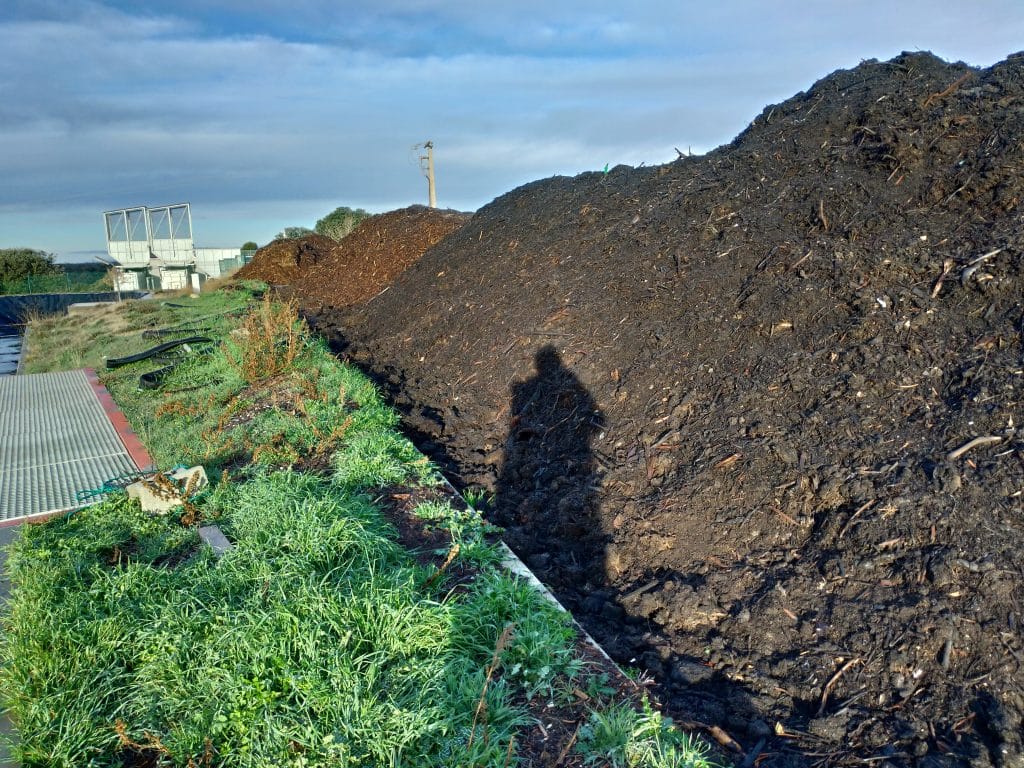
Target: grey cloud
316,101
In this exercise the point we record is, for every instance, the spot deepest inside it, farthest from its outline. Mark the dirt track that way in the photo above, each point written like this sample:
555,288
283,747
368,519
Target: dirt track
729,407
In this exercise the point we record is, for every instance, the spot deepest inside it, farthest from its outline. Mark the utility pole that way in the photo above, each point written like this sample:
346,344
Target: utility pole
429,172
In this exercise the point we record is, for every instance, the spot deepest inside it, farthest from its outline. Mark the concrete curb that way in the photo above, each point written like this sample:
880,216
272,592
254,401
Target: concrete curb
136,450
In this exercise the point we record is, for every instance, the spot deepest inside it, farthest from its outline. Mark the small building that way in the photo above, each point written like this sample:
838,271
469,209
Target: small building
154,250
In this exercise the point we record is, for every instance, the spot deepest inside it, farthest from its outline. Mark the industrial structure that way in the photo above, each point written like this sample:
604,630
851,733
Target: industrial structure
153,249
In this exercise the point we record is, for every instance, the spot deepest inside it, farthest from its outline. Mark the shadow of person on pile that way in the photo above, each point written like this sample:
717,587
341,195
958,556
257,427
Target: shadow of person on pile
545,495
547,500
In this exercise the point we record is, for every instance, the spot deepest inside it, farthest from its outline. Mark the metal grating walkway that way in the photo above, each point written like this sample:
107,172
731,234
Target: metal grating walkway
56,438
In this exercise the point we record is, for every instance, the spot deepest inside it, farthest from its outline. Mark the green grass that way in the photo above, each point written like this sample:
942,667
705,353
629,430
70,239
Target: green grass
318,640
309,644
87,338
621,736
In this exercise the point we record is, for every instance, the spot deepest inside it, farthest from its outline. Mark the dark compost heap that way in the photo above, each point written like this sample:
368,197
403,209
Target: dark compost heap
731,409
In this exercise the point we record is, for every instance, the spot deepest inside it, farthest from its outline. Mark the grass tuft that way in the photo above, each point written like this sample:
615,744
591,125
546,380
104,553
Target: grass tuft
373,459
623,737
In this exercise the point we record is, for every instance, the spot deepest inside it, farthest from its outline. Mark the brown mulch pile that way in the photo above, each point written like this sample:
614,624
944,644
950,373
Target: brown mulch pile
369,258
282,262
756,416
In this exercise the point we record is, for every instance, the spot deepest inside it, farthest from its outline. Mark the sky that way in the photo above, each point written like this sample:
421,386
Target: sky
265,114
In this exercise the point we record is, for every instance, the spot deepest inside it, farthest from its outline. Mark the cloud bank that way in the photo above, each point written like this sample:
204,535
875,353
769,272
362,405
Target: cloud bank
266,114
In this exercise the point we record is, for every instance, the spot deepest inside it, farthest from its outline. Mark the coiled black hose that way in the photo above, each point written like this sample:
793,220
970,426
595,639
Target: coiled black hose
117,362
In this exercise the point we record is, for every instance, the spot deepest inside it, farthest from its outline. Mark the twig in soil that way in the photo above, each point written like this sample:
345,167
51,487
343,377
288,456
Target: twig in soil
753,754
567,747
947,267
728,461
832,682
452,554
714,731
821,214
640,590
946,92
1014,652
983,440
786,517
947,653
862,508
799,261
724,739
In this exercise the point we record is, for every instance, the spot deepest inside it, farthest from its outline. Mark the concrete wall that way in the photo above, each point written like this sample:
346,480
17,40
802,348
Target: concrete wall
216,261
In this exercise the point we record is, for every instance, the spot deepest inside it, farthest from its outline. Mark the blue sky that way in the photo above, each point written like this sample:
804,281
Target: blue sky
267,114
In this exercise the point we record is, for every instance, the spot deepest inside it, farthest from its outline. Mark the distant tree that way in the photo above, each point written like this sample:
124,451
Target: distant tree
19,263
250,246
340,222
293,233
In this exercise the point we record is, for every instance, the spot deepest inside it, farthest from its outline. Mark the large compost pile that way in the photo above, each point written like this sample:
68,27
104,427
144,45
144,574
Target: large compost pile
755,416
380,248
282,262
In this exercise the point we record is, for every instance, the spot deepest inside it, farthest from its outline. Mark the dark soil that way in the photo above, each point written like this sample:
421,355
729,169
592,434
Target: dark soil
717,400
369,258
282,262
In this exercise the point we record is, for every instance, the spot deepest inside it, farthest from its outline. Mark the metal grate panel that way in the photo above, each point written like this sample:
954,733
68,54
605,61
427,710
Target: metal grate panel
55,440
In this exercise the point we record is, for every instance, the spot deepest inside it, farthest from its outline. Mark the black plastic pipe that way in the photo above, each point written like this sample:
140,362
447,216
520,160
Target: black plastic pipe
117,362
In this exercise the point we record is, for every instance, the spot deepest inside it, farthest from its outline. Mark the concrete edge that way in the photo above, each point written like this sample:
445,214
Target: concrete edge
136,450
39,517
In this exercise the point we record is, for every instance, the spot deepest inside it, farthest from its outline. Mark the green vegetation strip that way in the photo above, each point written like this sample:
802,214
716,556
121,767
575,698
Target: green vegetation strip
317,640
25,270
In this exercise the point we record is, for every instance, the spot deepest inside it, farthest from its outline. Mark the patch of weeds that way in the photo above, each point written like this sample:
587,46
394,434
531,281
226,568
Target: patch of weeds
114,533
479,499
623,737
540,657
308,644
467,528
598,687
376,458
297,418
268,341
